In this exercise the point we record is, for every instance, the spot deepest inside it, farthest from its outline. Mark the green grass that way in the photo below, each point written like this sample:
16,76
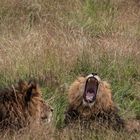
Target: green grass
95,17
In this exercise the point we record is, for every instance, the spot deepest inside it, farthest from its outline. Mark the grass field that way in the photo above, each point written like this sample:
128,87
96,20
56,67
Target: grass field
55,41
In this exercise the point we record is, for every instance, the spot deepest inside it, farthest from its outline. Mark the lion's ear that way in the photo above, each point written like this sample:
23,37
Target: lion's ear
32,91
22,85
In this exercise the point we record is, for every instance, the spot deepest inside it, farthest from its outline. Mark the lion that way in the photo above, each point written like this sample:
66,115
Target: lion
90,99
22,105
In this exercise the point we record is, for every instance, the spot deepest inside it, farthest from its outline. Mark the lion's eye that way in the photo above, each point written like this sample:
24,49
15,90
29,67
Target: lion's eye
94,74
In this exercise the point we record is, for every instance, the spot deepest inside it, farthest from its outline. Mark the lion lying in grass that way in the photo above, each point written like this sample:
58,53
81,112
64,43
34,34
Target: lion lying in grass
90,99
22,106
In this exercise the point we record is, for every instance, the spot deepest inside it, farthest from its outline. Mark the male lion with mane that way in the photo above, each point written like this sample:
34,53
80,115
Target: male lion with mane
90,101
22,105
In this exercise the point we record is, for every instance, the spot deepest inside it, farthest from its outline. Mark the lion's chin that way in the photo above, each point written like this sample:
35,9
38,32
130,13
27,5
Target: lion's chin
88,104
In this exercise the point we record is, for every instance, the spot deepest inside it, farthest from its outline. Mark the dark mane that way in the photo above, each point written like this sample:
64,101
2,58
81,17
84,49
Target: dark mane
20,105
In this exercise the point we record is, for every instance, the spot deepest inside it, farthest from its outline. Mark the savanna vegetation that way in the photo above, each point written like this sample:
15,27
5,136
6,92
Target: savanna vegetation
55,41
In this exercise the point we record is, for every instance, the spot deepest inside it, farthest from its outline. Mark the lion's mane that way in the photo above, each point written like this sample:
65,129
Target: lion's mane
22,105
103,110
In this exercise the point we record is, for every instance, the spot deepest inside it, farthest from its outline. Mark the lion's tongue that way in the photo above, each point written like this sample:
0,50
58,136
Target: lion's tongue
90,96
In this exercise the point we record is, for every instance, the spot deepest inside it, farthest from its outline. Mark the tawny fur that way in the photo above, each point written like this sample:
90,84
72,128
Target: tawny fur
21,106
103,111
103,101
103,107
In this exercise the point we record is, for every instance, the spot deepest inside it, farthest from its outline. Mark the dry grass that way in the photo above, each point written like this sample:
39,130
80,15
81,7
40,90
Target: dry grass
55,41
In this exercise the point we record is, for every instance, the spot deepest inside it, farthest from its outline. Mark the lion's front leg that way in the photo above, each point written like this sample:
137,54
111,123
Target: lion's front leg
110,120
70,115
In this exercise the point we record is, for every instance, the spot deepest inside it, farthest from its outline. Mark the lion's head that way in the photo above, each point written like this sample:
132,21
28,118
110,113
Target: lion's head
22,105
91,98
92,92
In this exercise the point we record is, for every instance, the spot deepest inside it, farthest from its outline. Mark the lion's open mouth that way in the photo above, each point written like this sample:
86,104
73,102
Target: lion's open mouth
91,88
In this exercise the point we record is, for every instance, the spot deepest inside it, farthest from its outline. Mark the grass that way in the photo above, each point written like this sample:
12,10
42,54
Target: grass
99,17
55,41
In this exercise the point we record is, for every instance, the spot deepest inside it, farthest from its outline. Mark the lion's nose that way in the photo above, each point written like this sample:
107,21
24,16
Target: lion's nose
51,109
